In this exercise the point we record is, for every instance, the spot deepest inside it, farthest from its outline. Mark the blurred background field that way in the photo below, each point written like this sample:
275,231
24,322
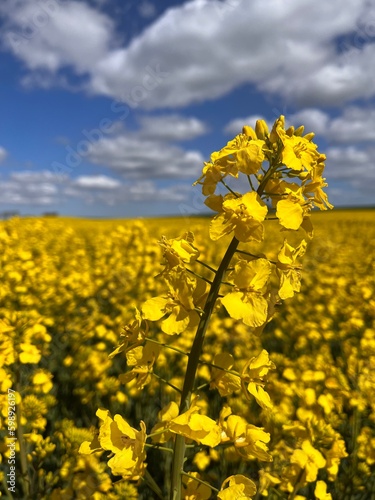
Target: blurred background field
70,285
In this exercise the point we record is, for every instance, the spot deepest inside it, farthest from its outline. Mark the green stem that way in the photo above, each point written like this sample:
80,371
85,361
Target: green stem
205,265
193,362
229,189
212,365
5,486
149,480
156,447
168,346
199,276
166,382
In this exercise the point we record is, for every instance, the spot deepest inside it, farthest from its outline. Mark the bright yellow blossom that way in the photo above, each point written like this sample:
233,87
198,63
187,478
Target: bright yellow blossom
185,295
237,487
247,301
289,272
253,374
308,459
242,215
126,443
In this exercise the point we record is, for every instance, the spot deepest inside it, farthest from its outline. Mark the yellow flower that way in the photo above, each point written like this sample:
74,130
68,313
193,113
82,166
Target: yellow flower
226,383
29,353
290,277
42,381
249,440
5,381
247,301
127,444
321,491
290,212
239,488
242,215
314,187
338,451
143,359
185,295
298,153
132,337
267,480
202,460
309,459
193,490
179,251
165,415
242,154
200,428
254,372
212,175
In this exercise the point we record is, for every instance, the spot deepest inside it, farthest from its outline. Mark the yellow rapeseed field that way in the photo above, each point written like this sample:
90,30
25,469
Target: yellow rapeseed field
68,287
194,358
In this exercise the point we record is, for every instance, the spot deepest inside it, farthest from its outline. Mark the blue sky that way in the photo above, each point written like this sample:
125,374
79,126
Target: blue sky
110,107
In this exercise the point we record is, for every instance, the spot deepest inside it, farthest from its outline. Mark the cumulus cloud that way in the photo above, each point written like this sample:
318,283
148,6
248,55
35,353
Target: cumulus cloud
27,187
287,48
314,120
96,182
354,125
171,127
51,35
141,158
354,168
43,188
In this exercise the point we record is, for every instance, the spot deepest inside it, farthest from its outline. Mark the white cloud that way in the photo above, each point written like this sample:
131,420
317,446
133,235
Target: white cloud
205,48
43,188
354,125
3,154
355,167
171,127
91,192
314,120
35,188
145,158
350,162
96,182
57,33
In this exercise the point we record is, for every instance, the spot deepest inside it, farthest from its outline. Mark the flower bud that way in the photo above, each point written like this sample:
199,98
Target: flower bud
309,136
299,130
249,132
261,129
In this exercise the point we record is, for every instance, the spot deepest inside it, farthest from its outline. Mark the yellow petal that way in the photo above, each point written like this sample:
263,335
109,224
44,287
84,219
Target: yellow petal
154,309
289,213
239,488
251,308
177,321
221,225
261,396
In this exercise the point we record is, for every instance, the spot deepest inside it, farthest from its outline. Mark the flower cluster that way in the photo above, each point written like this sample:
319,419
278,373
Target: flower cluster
277,409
